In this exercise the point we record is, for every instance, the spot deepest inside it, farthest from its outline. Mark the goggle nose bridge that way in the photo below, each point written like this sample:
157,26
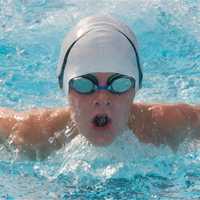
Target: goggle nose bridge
102,87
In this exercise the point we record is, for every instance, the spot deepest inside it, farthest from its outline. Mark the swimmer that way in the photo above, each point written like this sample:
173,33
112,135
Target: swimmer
100,72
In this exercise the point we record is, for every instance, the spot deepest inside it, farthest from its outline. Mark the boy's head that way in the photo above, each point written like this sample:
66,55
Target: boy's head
99,69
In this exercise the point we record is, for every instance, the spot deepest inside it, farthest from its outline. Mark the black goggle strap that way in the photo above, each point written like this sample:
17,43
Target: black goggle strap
114,77
117,76
91,78
110,80
137,58
60,77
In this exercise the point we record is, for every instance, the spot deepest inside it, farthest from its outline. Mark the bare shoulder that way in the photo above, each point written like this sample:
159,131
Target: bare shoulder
164,123
42,123
30,130
60,113
165,110
7,121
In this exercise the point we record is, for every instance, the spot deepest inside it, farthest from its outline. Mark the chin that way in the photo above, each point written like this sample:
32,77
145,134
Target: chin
101,139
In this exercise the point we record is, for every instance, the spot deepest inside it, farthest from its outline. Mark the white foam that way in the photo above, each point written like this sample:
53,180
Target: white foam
123,158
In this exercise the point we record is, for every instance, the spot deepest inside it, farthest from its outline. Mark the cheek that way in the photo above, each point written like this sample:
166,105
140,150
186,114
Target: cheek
122,108
81,108
121,112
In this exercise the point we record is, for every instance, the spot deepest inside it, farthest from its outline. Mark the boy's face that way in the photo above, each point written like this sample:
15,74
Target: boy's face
90,111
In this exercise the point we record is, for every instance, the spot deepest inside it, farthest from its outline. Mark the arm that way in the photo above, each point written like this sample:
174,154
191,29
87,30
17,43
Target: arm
7,121
32,129
165,123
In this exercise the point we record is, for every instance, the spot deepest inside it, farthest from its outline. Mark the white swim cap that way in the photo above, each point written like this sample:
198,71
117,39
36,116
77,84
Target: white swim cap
99,44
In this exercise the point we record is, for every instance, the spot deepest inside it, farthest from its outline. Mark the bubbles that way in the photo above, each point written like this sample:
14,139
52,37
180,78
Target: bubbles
147,169
32,31
30,36
81,167
118,160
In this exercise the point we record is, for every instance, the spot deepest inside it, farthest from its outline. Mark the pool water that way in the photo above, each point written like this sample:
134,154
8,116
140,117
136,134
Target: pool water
31,32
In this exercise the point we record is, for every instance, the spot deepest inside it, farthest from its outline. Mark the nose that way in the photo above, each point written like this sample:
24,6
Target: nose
101,103
102,100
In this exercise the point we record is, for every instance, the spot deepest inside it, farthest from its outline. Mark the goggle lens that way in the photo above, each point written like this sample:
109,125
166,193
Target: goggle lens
89,84
121,85
82,85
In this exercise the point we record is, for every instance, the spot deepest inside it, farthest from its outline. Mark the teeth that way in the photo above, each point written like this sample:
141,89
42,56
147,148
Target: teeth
101,120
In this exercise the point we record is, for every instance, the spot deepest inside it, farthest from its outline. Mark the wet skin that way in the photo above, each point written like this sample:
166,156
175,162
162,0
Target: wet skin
152,123
116,106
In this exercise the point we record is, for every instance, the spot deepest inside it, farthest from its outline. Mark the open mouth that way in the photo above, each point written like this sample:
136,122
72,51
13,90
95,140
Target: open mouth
101,120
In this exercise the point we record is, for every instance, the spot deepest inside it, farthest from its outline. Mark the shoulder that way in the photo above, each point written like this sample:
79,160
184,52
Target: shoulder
162,123
172,113
46,113
164,109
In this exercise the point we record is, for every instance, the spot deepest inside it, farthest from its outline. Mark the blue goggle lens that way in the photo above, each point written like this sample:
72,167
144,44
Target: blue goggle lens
87,85
82,85
121,85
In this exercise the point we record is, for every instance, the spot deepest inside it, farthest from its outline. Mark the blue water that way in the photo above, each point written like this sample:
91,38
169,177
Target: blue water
31,32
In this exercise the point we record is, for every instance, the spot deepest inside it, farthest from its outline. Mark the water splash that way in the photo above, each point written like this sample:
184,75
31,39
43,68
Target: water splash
30,36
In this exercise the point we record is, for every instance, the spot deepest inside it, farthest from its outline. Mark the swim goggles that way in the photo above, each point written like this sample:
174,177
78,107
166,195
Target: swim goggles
88,84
